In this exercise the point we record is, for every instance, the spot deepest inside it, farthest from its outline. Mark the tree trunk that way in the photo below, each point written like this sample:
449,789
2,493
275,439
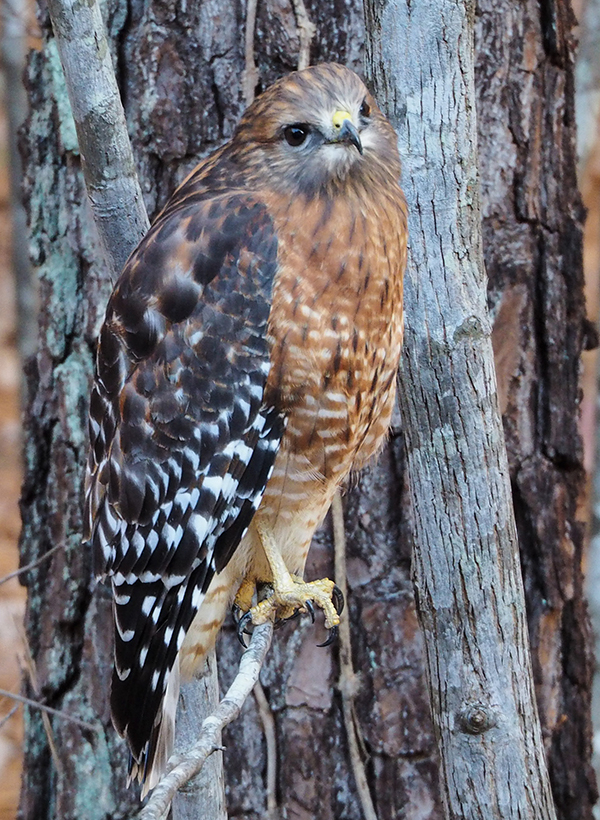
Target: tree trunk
466,561
532,229
206,792
180,68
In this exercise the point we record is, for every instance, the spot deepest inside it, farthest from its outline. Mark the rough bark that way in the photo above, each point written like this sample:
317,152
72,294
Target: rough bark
180,67
532,219
466,563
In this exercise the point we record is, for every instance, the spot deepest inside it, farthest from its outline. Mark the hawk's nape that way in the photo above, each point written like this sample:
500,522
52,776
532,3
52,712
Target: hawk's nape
245,366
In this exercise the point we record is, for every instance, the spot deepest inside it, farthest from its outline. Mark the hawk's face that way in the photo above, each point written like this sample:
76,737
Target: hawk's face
317,130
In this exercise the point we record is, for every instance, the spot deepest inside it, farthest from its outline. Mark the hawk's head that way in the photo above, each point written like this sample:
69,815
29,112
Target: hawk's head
317,130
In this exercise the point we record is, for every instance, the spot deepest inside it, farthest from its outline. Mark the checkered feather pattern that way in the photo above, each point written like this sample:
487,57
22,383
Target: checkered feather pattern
182,443
246,366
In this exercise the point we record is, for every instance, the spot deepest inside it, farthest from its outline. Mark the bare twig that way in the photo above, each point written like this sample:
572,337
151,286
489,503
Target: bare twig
348,683
8,716
268,722
185,766
306,32
107,159
31,670
250,78
31,565
37,705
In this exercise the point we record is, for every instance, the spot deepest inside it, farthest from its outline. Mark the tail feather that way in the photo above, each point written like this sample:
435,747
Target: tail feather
153,762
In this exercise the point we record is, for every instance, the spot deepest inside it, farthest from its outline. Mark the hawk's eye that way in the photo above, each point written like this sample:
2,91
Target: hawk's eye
365,109
295,134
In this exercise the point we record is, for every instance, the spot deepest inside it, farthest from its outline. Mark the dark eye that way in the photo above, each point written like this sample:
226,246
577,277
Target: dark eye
365,109
295,134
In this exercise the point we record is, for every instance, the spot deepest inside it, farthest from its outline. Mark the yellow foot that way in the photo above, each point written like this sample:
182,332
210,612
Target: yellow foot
244,595
292,595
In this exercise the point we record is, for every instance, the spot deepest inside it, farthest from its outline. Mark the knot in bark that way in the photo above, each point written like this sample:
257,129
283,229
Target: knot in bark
476,718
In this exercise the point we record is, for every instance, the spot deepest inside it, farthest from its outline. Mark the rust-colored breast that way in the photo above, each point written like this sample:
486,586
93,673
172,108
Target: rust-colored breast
336,323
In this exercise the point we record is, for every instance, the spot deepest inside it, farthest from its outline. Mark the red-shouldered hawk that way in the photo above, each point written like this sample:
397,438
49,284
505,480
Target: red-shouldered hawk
246,365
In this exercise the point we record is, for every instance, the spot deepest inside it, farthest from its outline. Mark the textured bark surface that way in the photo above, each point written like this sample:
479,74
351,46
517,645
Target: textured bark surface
466,558
180,71
532,219
198,699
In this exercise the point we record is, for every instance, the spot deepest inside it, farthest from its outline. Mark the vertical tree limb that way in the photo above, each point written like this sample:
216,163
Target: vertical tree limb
250,76
306,33
119,212
13,47
107,160
198,700
466,560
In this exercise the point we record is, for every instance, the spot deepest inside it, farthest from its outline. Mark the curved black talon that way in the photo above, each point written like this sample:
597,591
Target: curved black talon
241,628
308,605
333,633
337,598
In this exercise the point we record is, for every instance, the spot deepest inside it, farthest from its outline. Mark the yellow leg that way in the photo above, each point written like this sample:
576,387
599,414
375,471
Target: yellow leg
244,595
290,592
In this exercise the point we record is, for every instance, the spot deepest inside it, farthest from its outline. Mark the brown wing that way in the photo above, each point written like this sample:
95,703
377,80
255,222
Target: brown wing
182,445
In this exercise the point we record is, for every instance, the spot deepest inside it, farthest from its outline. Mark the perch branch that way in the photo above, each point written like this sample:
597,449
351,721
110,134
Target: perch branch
107,159
348,682
186,765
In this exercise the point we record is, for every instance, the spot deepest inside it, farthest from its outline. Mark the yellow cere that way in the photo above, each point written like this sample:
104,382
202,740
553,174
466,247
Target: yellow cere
339,117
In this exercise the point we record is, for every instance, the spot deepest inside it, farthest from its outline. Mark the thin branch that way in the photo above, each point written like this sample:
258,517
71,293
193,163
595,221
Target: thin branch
31,565
348,682
306,32
107,159
185,766
268,722
37,705
250,76
8,716
31,670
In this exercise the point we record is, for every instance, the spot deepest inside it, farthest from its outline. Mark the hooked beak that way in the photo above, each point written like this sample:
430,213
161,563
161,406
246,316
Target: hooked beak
345,131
